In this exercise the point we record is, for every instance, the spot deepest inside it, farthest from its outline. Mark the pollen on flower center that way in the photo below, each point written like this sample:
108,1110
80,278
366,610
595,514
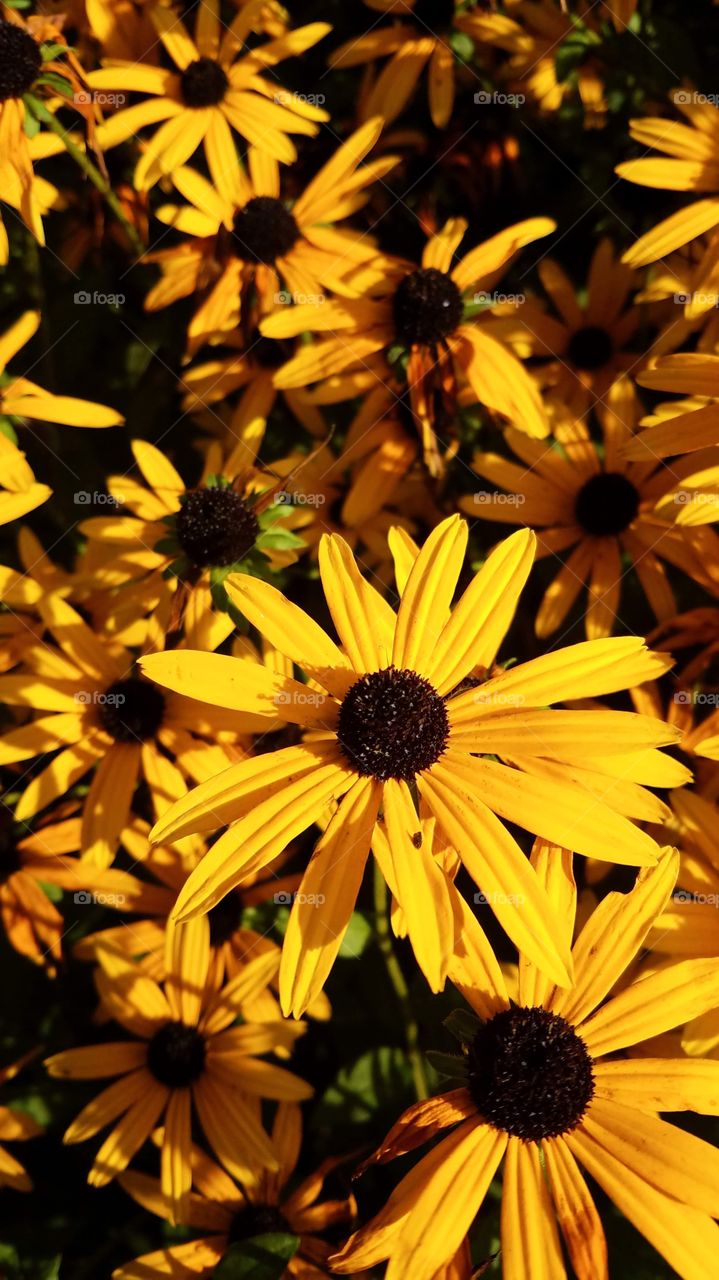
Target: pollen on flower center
176,1055
392,724
132,709
257,1220
427,307
203,83
530,1074
20,61
215,526
264,230
606,504
590,348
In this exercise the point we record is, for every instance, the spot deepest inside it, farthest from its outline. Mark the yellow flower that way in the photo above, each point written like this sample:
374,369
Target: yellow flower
234,1214
185,1059
543,1088
212,92
255,247
15,1126
406,704
586,496
427,316
20,492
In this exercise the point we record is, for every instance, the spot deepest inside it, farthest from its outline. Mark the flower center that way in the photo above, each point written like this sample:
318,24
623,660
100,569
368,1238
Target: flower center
264,230
215,527
590,348
225,918
257,1220
176,1055
392,724
203,83
606,504
530,1074
270,353
20,61
132,710
427,307
437,15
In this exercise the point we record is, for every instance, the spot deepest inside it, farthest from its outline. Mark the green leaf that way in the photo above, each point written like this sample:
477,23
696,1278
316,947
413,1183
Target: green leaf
448,1064
462,45
279,540
463,1025
31,125
50,51
359,932
376,1084
261,1258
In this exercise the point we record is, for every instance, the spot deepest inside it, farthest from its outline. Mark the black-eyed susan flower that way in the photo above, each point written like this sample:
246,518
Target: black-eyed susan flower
20,492
424,322
542,1089
586,499
187,538
96,715
15,1126
423,34
185,1059
214,90
405,704
20,398
257,246
233,1214
688,425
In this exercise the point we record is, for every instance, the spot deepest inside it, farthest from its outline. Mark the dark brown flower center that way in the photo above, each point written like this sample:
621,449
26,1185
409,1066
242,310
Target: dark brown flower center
176,1055
215,526
606,504
264,230
530,1074
132,710
20,61
427,307
257,1220
203,83
392,724
590,348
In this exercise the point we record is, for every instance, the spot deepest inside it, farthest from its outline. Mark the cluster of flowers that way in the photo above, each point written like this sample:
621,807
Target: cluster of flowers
191,731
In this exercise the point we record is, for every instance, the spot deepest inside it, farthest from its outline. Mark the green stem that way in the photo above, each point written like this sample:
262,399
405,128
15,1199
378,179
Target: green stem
397,979
90,170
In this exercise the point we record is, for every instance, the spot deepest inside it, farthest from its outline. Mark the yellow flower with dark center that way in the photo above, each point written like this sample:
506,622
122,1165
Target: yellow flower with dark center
263,1205
185,1059
543,1089
255,247
425,318
212,92
585,498
406,708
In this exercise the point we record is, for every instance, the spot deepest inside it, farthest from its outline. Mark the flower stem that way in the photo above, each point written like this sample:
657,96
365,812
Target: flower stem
90,170
384,942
